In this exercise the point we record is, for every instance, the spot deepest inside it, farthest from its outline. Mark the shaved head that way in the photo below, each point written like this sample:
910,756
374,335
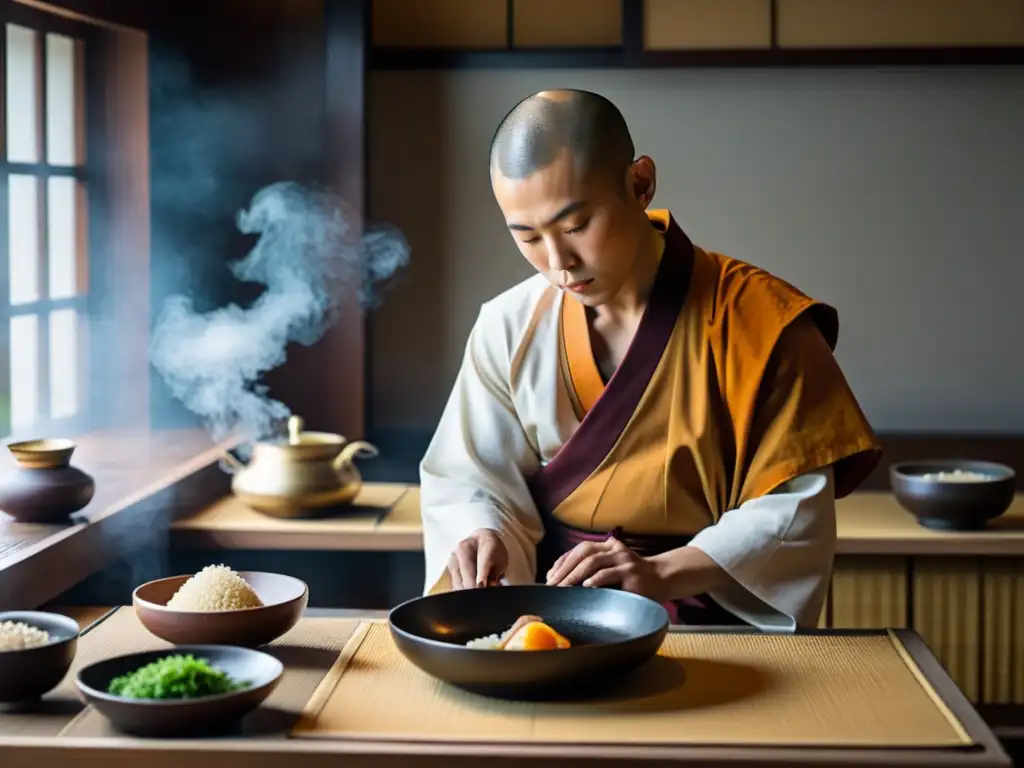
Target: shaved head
543,126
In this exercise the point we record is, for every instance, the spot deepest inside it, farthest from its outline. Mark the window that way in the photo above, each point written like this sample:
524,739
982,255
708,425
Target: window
44,264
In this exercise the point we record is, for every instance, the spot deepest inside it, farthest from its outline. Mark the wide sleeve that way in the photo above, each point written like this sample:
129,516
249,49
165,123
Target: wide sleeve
778,550
802,441
804,417
473,474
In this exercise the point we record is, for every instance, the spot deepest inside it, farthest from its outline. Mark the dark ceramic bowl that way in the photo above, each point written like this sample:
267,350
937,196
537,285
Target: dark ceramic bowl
182,717
612,633
284,601
953,506
27,674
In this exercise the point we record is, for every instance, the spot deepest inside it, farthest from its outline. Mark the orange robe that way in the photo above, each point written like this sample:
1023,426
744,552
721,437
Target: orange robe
729,389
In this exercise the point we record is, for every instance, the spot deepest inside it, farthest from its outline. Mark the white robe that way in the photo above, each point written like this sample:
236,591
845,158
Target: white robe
509,413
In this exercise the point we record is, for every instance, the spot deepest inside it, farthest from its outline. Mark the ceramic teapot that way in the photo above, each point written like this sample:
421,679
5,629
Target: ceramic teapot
303,476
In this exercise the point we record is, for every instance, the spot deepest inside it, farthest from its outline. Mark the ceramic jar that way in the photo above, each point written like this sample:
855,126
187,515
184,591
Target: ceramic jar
44,487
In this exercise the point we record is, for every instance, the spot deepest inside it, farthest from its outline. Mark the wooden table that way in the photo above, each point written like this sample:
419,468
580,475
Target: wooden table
276,750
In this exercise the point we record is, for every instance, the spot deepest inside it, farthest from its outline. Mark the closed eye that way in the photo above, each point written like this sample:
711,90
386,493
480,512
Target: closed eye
580,228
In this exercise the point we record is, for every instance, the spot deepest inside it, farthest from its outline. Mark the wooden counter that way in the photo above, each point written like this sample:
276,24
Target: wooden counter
55,735
387,518
141,478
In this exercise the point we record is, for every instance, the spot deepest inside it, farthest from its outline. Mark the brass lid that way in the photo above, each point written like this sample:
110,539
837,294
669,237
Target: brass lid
42,454
306,445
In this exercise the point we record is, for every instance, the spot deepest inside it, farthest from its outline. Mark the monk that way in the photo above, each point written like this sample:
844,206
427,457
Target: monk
642,413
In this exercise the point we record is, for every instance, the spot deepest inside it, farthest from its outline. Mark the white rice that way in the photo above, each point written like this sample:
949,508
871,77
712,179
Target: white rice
489,643
215,588
18,636
958,476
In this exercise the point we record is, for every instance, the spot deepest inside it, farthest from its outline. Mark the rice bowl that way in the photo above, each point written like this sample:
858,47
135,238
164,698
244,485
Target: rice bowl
225,617
38,650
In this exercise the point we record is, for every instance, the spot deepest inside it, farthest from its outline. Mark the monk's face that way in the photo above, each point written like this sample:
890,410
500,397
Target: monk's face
581,232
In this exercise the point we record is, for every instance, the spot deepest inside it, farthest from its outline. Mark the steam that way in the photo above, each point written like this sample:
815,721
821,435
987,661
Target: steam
309,257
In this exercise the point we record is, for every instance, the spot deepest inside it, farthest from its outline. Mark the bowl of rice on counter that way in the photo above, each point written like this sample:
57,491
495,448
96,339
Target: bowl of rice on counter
953,494
219,606
36,651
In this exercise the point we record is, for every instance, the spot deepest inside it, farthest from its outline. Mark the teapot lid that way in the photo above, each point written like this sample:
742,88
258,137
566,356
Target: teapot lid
307,445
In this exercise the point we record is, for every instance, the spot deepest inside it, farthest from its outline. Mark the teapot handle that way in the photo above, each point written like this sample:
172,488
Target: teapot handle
231,463
359,448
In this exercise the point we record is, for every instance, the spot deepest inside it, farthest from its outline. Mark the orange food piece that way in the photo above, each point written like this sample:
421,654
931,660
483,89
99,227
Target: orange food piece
537,636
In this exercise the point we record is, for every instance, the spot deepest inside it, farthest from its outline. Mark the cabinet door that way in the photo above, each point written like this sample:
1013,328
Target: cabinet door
677,25
899,23
567,23
1002,648
869,592
948,615
440,23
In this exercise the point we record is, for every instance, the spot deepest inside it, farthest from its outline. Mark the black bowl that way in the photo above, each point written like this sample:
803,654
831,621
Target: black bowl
953,506
612,633
28,673
182,717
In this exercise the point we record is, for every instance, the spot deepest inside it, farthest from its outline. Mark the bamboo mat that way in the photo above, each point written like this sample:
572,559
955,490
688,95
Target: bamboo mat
702,689
308,652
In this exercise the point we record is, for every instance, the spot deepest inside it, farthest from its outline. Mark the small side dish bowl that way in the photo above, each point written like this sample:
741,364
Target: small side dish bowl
260,672
27,674
284,601
953,494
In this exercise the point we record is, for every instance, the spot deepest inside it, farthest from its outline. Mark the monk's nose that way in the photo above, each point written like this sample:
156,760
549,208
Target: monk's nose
560,258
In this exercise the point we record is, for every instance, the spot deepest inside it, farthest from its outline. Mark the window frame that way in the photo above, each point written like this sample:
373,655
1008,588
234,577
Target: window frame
43,23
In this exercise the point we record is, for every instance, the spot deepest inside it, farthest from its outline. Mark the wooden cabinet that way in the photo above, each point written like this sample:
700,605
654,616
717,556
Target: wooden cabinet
899,23
484,24
970,611
1002,631
707,24
566,23
869,591
411,34
470,24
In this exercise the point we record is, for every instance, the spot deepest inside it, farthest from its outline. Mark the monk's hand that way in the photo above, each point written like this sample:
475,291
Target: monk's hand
608,564
479,560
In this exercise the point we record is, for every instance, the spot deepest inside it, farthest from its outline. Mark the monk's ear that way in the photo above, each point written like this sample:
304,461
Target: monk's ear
643,180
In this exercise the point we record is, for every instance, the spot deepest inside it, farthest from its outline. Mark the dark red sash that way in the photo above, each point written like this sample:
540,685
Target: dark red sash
695,611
